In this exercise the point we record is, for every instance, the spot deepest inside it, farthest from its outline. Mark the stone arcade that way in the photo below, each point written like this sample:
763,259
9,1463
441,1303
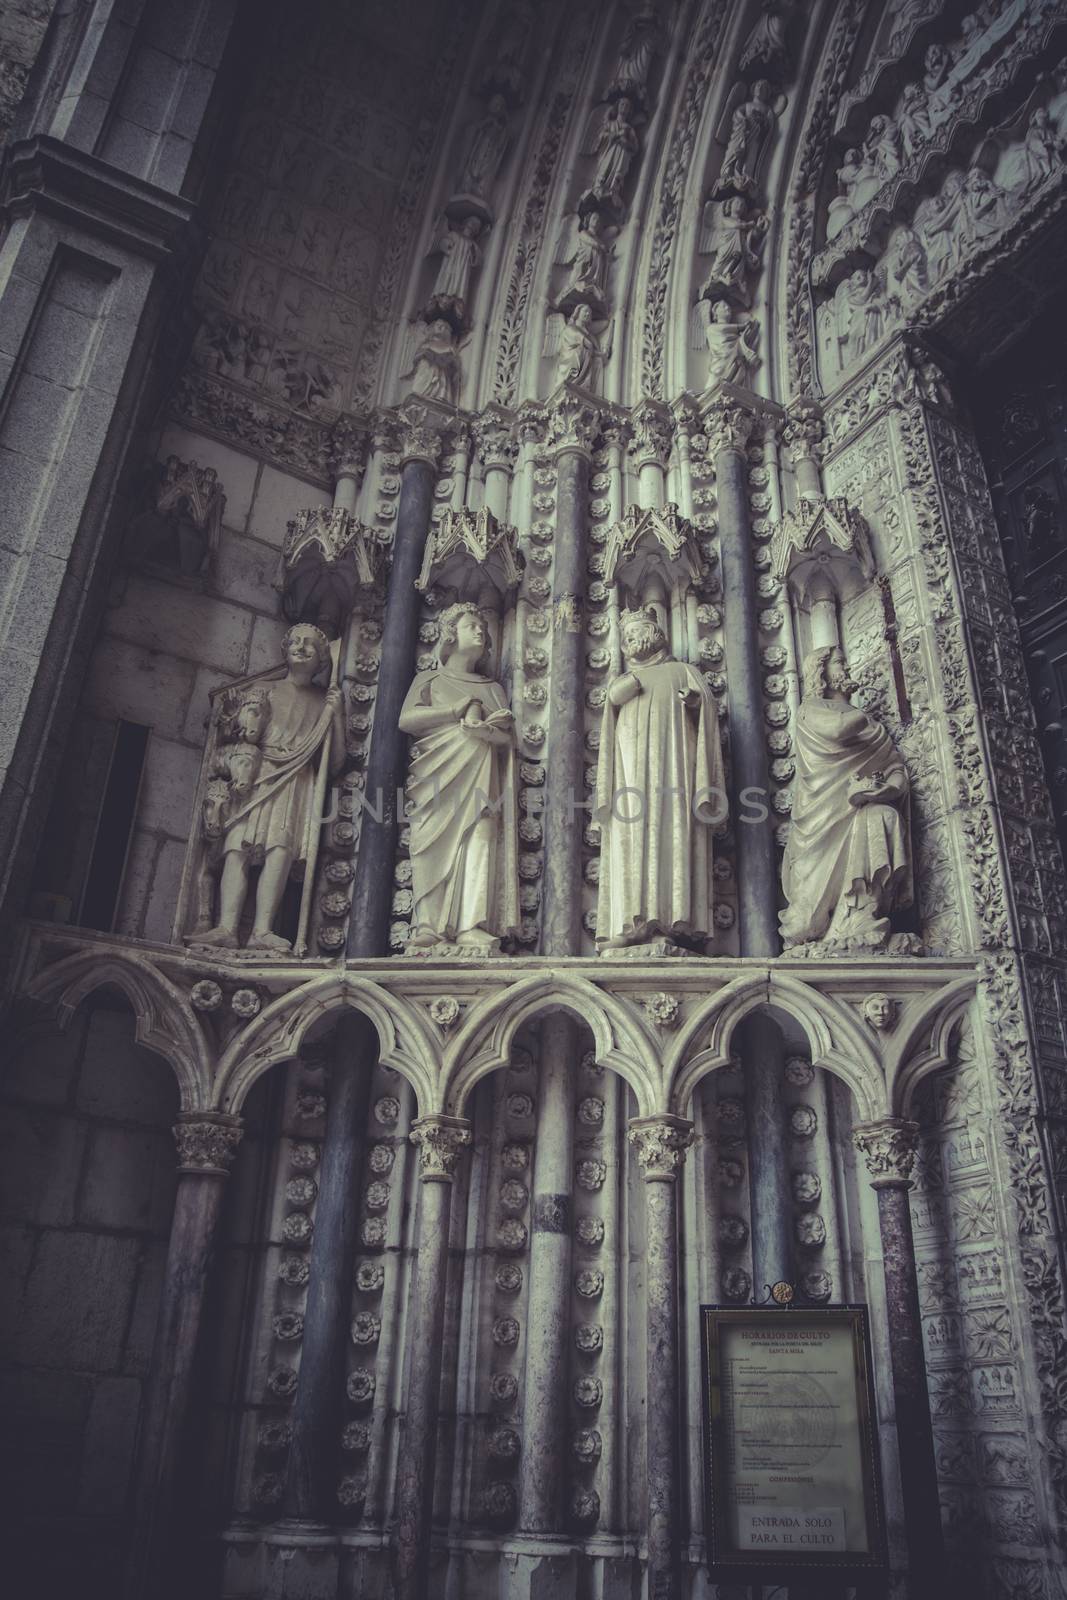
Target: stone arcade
447,450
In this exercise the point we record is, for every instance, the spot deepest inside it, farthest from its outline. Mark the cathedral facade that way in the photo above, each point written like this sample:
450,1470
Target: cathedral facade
534,793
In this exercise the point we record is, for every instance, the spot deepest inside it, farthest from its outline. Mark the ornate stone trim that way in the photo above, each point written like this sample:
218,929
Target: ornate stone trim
207,1144
440,1142
660,1144
889,1150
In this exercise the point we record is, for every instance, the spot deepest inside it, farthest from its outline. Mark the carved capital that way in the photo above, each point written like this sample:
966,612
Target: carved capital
651,436
348,447
573,423
440,1141
660,1143
532,423
888,1147
419,437
495,439
727,427
207,1142
804,431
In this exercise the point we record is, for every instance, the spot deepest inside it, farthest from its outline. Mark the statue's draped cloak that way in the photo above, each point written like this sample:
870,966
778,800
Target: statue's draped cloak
277,813
655,870
836,848
464,824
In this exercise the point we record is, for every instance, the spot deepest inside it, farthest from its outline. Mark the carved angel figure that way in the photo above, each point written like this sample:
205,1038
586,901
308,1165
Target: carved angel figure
766,42
733,237
848,860
577,348
744,130
266,818
464,826
488,143
460,255
641,43
731,344
584,248
436,369
616,145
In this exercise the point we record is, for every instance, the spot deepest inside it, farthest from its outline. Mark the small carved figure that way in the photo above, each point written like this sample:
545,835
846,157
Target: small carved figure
861,318
641,43
464,829
907,264
181,526
659,790
880,1011
848,860
577,347
460,255
733,237
267,820
436,369
584,249
983,205
731,344
935,66
766,42
936,220
616,145
842,207
744,130
1036,158
883,147
913,118
905,15
489,141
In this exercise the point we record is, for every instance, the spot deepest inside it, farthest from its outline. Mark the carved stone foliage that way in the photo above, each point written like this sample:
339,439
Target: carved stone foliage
207,1145
888,1148
660,1144
440,1141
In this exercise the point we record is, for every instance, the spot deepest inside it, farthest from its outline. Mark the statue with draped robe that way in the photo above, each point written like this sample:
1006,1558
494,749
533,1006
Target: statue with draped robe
464,833
659,790
848,860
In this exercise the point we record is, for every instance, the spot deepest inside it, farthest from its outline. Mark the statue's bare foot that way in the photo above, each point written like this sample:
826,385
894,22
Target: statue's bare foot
423,939
221,938
267,941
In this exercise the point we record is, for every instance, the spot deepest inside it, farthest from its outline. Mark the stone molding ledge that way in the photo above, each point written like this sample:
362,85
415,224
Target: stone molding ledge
223,1020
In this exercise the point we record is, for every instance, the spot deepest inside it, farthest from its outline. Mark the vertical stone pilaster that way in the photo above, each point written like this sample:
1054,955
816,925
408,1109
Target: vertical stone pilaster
440,1142
661,1143
207,1144
888,1148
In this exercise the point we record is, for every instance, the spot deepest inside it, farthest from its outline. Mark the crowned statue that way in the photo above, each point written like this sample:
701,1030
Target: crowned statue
464,833
848,860
660,789
263,813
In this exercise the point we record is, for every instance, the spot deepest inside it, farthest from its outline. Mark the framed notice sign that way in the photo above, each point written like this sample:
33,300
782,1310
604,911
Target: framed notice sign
791,1473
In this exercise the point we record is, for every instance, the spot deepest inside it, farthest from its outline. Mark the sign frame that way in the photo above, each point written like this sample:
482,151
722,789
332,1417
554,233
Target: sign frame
728,1563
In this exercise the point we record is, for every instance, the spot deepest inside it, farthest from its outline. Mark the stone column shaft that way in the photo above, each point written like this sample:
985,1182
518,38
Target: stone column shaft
440,1140
772,1251
889,1149
313,1456
547,1406
207,1145
661,1143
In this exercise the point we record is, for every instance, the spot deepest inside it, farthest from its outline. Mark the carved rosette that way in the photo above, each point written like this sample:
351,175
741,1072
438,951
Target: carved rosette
888,1148
660,1143
440,1141
207,1144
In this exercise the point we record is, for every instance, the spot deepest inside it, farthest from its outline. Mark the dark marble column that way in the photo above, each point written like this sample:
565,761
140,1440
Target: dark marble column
207,1144
728,426
889,1150
310,1491
440,1140
571,429
661,1143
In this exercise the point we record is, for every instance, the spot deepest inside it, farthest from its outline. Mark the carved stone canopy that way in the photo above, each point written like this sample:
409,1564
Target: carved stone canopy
652,544
471,552
328,559
823,538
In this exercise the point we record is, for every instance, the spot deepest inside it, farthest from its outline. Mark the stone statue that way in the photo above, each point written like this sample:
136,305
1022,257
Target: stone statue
659,789
733,238
436,370
181,525
577,348
842,207
616,145
459,257
766,42
464,832
913,118
749,121
641,43
848,860
267,818
1036,158
585,250
731,344
488,144
861,319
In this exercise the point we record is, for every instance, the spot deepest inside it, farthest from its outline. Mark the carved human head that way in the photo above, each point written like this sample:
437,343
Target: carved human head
242,763
591,222
303,636
642,634
826,669
471,226
762,91
581,315
461,626
880,1010
252,714
720,311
